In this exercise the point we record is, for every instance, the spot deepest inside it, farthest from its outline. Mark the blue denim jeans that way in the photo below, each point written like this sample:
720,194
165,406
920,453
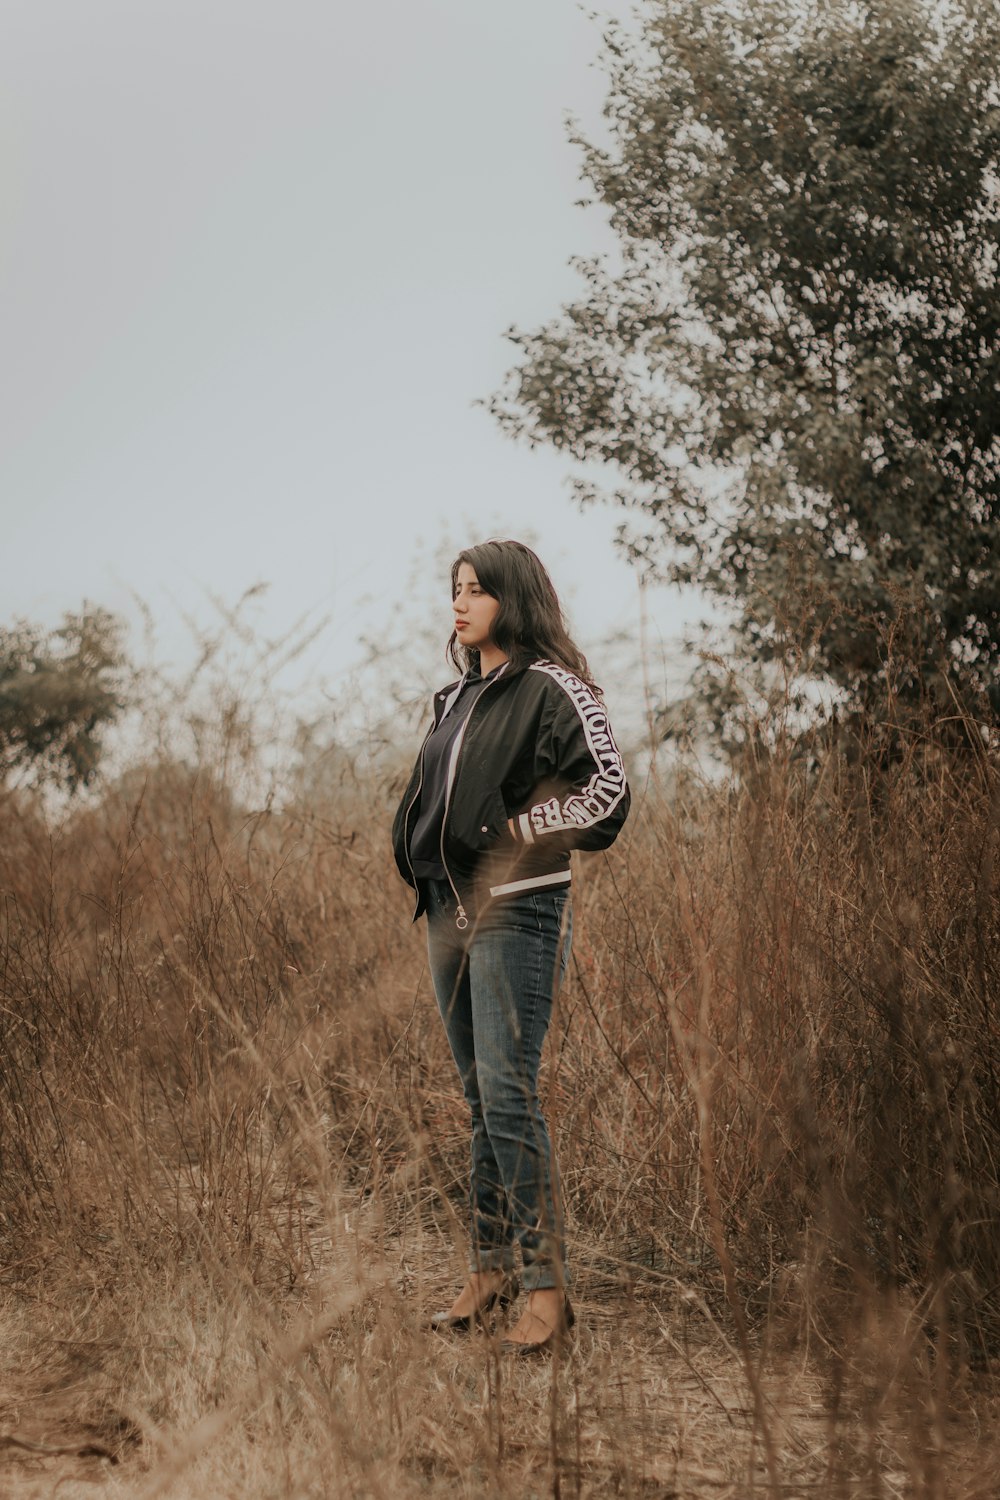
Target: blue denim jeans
495,984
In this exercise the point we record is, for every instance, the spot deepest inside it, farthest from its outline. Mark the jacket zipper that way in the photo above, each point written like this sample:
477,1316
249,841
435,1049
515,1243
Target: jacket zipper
461,920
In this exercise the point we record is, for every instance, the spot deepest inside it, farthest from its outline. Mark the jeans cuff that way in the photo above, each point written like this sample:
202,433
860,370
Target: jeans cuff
494,1259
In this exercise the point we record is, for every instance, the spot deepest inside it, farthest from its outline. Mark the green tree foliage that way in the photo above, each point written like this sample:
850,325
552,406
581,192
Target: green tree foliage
59,691
794,368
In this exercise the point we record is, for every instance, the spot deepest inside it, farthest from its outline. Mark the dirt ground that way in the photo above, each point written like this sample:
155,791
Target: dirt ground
649,1401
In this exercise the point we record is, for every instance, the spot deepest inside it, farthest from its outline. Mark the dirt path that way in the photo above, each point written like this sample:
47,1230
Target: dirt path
642,1407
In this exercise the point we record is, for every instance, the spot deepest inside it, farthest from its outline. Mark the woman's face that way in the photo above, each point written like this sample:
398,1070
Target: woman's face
475,610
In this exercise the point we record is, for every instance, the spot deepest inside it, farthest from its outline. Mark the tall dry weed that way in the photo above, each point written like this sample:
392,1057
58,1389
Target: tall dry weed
233,1151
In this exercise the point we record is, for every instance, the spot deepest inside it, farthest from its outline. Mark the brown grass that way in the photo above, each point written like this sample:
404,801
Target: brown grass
233,1151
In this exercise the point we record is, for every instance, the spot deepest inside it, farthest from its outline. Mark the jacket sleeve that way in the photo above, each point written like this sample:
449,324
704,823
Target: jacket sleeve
399,829
583,794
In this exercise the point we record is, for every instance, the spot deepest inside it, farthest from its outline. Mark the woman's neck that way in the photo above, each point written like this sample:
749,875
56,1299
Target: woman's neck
489,658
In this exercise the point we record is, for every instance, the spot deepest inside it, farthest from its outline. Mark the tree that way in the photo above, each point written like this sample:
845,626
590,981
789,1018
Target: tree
794,370
58,692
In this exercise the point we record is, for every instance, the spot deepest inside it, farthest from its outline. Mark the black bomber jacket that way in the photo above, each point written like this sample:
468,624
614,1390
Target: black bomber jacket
537,749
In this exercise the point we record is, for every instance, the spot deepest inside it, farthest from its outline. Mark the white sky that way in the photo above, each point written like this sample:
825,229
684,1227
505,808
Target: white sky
257,261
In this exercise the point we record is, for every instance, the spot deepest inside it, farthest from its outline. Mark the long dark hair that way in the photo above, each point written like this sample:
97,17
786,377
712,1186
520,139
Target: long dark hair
529,623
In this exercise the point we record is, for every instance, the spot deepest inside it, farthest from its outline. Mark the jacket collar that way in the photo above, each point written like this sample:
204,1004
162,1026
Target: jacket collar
447,696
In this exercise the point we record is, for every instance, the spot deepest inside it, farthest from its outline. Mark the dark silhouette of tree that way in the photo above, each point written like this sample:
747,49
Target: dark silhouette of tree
59,690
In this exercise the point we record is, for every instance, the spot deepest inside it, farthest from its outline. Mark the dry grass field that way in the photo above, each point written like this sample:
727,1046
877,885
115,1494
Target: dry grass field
232,1150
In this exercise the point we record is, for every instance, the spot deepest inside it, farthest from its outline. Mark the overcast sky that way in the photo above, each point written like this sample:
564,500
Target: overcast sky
257,264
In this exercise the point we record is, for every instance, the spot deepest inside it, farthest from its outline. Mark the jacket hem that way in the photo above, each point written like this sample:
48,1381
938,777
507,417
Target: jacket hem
533,883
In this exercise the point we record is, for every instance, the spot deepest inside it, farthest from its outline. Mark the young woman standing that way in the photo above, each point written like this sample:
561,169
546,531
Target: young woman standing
518,768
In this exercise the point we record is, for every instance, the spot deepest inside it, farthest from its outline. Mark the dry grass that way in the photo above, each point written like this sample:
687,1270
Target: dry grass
233,1152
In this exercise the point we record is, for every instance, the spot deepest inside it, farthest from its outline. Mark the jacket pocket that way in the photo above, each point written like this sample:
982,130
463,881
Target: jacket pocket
485,825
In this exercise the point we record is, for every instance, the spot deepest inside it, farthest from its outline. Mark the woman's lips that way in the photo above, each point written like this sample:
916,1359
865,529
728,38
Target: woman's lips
461,624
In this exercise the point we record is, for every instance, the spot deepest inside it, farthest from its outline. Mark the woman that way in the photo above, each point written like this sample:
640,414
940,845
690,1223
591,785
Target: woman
518,768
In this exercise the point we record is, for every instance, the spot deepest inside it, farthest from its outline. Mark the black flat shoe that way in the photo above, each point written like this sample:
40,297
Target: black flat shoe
554,1337
501,1296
